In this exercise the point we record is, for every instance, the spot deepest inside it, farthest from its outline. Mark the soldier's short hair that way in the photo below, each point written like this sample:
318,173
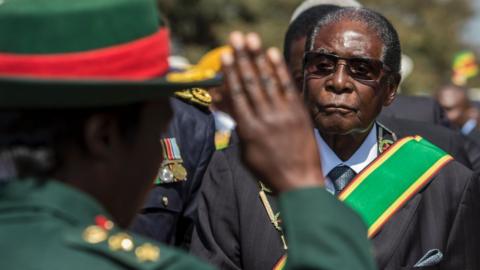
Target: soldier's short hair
34,142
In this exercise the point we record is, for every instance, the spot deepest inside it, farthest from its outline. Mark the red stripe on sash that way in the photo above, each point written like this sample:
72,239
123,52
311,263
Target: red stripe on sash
142,59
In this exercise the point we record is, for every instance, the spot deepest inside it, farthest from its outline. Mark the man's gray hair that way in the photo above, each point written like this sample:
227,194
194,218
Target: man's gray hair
376,22
312,3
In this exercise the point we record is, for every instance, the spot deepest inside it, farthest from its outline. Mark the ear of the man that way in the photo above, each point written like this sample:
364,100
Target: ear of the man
101,136
393,82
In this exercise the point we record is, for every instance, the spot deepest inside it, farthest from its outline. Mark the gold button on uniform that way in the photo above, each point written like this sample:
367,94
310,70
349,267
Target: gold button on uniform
165,201
120,241
147,253
94,234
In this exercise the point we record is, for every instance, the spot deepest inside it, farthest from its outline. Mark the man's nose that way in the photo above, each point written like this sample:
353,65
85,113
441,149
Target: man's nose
340,80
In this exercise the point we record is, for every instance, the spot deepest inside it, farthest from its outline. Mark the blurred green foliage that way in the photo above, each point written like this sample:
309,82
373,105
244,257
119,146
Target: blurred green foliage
430,30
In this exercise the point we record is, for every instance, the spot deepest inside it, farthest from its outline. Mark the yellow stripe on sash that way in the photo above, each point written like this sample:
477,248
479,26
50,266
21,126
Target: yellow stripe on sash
420,183
373,166
374,198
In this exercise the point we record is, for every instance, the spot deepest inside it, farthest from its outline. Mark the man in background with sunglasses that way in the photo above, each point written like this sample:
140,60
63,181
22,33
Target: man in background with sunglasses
419,204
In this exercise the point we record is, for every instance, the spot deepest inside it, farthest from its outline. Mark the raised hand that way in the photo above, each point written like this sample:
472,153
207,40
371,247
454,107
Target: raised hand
275,130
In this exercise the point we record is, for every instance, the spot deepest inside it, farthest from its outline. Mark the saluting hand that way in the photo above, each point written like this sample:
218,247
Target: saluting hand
275,130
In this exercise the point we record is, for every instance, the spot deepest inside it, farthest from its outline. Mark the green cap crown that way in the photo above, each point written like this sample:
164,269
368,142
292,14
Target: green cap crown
60,26
85,53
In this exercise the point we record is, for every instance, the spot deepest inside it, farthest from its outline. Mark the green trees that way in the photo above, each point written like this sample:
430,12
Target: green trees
430,30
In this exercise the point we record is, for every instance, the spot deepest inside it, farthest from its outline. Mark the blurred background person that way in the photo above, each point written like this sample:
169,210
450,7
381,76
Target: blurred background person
460,110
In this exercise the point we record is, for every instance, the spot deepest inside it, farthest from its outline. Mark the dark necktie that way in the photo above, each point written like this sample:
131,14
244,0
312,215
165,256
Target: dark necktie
341,176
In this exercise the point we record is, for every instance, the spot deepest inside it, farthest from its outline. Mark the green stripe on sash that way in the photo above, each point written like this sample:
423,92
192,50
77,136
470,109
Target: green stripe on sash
392,179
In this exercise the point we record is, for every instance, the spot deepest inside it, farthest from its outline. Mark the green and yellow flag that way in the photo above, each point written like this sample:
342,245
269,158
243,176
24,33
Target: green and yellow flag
464,67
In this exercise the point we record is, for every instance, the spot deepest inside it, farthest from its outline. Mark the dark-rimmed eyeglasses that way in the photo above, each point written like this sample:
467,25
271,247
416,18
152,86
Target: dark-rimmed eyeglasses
361,69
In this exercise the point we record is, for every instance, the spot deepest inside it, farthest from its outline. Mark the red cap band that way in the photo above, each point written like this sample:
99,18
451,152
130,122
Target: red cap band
142,59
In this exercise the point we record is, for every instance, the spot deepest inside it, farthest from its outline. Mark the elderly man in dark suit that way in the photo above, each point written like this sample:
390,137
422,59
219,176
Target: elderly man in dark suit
350,72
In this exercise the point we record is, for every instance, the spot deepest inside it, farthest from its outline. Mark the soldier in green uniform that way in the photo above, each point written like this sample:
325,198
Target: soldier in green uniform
84,97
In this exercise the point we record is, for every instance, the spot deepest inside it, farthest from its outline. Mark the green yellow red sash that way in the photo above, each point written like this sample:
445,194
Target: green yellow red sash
392,179
382,188
281,263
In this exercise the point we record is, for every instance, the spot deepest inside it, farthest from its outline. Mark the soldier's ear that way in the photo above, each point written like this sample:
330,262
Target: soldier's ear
392,83
101,135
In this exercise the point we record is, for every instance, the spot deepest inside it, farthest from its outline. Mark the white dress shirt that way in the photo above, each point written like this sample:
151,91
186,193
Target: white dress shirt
365,154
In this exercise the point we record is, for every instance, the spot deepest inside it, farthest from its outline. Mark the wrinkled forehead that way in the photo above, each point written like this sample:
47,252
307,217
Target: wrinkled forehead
349,39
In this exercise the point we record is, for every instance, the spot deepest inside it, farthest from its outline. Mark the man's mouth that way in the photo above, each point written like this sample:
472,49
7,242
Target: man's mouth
337,108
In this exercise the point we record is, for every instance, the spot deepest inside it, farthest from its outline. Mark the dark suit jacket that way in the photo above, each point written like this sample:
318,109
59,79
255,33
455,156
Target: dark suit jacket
172,223
234,231
427,110
462,148
423,109
471,144
447,139
474,136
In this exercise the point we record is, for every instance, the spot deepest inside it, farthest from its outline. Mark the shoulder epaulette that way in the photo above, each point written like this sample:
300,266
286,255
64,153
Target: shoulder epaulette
207,67
105,239
195,96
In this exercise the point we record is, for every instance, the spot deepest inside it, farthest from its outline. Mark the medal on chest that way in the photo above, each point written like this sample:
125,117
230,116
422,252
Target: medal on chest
171,169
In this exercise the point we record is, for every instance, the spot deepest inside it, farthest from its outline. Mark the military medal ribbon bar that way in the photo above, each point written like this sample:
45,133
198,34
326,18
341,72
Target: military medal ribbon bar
172,169
392,179
171,149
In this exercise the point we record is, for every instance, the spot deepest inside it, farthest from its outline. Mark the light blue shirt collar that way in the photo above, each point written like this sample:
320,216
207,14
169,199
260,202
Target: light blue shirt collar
469,126
365,154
